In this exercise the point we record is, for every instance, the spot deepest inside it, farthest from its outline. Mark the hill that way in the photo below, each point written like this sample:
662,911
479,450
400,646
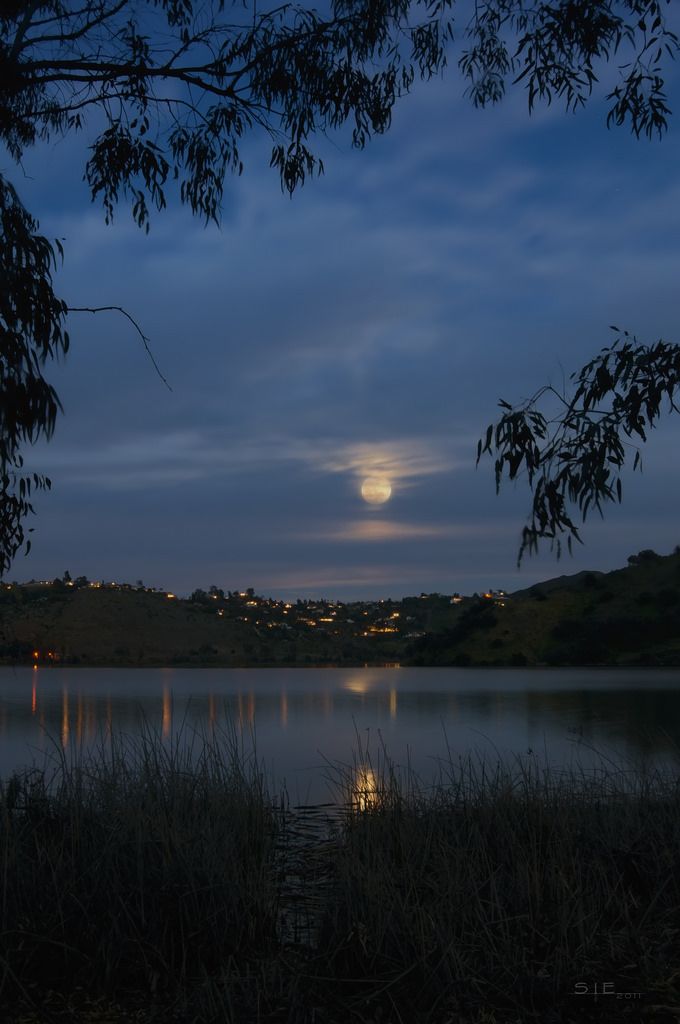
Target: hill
629,616
112,624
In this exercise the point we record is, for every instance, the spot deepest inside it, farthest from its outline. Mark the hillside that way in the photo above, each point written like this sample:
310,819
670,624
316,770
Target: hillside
122,625
629,616
626,617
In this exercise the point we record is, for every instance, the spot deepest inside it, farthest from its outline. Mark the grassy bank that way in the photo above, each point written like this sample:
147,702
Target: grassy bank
150,883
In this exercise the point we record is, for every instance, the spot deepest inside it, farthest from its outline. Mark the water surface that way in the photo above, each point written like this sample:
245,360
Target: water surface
304,720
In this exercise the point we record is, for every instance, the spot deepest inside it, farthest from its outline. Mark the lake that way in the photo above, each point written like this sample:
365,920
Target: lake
303,721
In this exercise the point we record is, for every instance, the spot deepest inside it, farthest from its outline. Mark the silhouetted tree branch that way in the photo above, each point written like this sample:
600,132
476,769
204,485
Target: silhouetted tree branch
140,332
572,449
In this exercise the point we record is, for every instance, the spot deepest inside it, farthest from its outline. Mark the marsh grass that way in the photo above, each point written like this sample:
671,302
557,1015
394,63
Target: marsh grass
144,865
503,886
167,875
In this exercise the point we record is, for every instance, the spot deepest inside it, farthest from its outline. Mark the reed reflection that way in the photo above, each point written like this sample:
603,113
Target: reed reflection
284,709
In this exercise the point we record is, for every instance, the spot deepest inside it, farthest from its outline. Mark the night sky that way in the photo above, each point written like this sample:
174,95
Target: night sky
364,329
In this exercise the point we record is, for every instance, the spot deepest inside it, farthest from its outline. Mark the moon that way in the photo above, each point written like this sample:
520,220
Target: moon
376,490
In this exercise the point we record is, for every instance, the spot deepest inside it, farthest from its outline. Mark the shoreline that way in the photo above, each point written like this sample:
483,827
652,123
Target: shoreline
299,666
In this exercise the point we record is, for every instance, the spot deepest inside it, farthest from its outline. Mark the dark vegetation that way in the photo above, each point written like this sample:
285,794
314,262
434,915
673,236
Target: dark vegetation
164,884
627,617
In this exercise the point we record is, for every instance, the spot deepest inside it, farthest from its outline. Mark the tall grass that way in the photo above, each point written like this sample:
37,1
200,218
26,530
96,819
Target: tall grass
505,887
143,866
166,874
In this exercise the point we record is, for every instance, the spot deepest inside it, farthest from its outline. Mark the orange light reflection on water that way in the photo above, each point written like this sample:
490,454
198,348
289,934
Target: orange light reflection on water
79,719
65,728
356,684
166,727
393,703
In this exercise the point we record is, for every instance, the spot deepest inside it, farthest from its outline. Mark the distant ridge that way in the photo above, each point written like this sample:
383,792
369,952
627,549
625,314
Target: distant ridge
556,583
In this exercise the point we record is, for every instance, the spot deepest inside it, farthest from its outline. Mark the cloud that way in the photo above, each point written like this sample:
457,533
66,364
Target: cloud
335,579
400,461
377,530
185,455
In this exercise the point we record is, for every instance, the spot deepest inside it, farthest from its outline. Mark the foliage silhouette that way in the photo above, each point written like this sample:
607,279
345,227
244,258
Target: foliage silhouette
178,86
573,454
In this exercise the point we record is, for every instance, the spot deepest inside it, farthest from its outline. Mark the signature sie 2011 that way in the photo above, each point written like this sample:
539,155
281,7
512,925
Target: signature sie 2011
595,989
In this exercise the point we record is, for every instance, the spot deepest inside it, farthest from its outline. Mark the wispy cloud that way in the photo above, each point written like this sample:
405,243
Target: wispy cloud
401,461
334,579
376,530
186,455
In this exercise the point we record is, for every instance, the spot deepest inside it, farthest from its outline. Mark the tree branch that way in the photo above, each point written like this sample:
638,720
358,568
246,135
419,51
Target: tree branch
140,332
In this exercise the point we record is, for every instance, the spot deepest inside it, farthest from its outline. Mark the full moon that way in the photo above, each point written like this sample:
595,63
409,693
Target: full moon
376,490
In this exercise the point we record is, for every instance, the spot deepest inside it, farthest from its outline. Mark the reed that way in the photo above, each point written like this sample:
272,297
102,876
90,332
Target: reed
142,866
166,876
506,888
